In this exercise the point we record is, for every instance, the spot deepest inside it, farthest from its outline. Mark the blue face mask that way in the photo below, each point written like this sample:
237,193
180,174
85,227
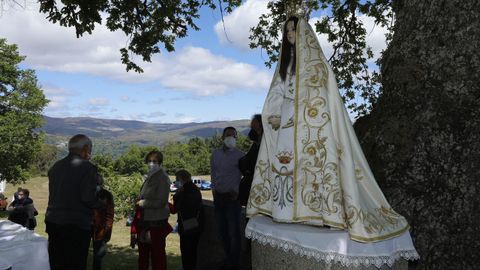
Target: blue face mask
99,188
179,184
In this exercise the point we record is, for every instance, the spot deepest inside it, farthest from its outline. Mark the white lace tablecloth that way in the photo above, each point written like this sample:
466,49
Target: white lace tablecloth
21,248
329,245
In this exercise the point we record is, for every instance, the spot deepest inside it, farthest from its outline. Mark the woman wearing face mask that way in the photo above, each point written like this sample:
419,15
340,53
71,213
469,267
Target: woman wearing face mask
150,226
187,204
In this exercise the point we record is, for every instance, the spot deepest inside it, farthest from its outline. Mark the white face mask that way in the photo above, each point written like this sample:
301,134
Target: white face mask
152,166
99,188
230,142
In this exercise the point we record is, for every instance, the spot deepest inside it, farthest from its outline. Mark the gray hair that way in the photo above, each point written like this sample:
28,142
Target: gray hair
78,142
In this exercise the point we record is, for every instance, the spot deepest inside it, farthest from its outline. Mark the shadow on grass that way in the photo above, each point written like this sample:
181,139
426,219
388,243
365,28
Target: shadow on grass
119,258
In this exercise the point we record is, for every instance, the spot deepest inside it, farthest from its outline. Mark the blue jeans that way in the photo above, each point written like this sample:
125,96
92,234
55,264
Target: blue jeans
227,213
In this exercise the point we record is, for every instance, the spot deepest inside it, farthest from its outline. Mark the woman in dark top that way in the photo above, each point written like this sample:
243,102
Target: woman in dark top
22,211
187,203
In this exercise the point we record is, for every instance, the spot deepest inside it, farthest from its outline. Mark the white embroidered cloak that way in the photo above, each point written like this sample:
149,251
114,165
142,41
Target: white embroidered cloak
314,171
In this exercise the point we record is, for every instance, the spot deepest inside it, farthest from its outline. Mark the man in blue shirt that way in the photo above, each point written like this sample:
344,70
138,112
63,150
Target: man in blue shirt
226,178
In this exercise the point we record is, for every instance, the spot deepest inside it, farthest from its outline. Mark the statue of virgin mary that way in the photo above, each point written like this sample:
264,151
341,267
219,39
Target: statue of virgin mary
311,168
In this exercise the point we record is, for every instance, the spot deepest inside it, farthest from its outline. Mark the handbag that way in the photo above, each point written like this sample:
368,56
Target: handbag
190,223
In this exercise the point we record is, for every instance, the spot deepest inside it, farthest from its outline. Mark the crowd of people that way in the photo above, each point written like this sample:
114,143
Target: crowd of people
81,211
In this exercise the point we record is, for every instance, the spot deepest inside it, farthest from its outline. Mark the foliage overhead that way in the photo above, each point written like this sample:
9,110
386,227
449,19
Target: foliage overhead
147,23
344,26
21,104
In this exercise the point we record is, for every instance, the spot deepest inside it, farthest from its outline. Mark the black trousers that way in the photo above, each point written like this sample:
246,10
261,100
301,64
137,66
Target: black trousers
188,247
99,251
67,246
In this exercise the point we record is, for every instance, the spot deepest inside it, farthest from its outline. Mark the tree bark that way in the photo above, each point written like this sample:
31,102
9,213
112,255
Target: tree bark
422,137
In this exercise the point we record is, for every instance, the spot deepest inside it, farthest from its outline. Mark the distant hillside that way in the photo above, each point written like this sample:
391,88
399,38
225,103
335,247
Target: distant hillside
113,136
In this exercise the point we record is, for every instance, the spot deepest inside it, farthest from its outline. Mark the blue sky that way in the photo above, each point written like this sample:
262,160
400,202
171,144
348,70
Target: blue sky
206,79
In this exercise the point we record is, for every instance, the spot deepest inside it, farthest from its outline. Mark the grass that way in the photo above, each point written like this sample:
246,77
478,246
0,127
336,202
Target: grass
120,255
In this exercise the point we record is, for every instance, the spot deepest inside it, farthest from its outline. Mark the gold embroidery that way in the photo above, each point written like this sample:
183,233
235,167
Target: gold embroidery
312,112
260,193
311,151
284,157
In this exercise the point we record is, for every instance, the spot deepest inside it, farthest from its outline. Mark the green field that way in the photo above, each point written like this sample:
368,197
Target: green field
120,255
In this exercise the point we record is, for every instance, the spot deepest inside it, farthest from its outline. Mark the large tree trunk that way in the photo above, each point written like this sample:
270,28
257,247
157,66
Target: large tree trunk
423,136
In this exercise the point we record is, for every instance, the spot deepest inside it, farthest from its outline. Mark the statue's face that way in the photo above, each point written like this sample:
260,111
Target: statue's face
291,32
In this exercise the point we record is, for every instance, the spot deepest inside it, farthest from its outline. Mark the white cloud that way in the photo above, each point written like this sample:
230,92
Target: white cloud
200,71
58,98
98,101
239,22
375,35
54,48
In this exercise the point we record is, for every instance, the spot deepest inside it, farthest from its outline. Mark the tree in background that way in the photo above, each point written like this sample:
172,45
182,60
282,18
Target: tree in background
21,105
104,163
133,160
198,149
44,159
177,156
192,155
125,191
124,188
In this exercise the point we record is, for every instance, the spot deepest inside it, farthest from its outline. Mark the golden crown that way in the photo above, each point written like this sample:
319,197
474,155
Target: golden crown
284,157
